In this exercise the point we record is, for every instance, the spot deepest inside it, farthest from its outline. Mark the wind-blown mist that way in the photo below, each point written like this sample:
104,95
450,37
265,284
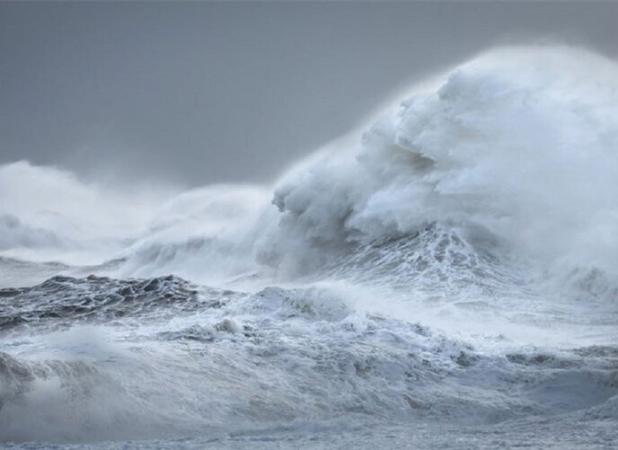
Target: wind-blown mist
453,262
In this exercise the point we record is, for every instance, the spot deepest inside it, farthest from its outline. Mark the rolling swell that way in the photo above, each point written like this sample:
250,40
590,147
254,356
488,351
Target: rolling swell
64,300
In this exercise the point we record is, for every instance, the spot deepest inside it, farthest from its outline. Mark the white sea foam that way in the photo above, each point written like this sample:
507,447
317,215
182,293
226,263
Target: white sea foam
519,141
48,213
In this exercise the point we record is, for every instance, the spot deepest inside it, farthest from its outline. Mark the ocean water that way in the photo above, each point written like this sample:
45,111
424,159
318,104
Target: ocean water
446,276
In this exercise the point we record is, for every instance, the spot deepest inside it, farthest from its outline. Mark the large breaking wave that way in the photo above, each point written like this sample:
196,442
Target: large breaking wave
468,233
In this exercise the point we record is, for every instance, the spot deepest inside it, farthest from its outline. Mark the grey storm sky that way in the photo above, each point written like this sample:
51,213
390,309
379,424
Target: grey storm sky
224,92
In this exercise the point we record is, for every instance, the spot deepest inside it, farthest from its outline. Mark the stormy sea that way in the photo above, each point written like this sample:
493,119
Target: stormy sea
445,276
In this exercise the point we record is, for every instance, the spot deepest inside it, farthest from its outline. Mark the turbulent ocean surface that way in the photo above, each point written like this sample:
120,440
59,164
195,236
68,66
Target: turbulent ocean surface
445,277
